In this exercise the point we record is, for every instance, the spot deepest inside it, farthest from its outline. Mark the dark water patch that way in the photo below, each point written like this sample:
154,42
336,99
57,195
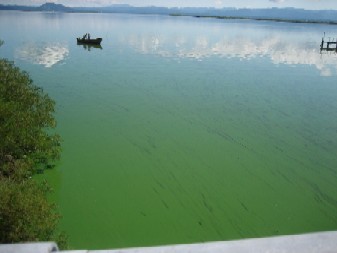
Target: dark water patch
279,149
206,204
140,147
259,178
244,207
286,178
165,204
155,190
121,107
320,195
151,142
161,185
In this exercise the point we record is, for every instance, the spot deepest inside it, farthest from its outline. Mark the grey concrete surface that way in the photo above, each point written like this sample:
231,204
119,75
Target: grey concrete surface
42,247
322,242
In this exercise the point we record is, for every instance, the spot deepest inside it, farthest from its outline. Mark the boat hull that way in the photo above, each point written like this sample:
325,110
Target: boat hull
96,41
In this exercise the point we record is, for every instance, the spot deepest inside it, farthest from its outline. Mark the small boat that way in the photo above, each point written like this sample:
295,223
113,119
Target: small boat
96,41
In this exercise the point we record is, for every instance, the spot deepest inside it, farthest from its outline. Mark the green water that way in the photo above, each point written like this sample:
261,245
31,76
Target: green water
183,130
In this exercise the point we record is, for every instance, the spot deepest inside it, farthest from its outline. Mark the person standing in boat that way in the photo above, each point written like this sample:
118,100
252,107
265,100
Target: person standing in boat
84,36
88,36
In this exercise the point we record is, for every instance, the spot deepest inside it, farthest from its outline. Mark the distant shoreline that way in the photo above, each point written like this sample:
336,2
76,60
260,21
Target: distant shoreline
286,15
297,21
280,20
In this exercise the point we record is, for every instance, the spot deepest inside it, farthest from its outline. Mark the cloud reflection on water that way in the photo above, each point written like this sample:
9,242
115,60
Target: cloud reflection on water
46,54
279,49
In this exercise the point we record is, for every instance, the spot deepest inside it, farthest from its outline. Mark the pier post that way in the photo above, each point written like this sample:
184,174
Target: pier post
329,46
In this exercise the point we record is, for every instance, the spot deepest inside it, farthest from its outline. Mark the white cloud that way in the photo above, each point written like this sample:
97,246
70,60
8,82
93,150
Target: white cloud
218,3
277,1
275,48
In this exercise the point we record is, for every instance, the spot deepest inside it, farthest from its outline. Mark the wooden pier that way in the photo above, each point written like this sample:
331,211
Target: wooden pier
329,45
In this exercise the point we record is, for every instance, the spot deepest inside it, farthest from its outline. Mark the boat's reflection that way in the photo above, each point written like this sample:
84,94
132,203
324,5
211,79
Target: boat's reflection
89,46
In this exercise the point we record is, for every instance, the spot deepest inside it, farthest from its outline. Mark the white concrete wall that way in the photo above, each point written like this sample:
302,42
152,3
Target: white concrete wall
43,247
323,242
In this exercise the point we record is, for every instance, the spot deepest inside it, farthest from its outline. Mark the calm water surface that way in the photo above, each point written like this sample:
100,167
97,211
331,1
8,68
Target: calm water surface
185,130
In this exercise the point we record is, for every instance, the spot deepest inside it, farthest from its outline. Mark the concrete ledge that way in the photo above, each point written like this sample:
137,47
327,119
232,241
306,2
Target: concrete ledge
323,242
42,247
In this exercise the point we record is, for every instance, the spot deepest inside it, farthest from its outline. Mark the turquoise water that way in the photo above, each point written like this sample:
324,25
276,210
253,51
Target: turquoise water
184,130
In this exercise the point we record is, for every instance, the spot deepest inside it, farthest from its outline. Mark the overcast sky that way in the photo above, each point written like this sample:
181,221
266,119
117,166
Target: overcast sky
306,4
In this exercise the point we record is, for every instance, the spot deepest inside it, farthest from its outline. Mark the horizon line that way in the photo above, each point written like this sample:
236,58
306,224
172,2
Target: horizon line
173,7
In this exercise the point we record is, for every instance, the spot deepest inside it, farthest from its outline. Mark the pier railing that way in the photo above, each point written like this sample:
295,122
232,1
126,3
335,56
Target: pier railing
330,45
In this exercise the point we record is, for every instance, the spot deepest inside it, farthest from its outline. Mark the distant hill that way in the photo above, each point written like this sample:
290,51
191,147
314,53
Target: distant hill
17,7
54,7
277,14
43,7
126,9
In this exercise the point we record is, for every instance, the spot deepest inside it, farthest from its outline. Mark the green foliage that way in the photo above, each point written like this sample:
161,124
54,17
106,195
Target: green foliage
25,115
27,147
23,208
